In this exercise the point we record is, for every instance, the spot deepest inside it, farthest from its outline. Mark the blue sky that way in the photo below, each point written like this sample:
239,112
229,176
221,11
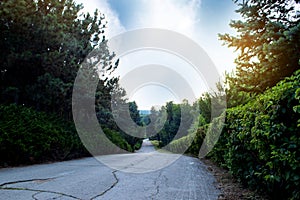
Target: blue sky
200,20
214,14
125,8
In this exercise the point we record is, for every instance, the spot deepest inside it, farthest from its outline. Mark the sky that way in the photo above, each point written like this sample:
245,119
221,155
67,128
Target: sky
199,20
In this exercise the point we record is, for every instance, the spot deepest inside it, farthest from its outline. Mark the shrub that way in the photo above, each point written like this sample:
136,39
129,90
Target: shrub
138,145
260,141
28,136
189,144
116,138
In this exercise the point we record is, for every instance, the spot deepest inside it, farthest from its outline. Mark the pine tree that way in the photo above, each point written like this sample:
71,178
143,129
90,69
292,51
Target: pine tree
268,42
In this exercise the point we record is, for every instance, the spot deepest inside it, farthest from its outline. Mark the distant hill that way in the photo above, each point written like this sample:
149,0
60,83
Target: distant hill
144,112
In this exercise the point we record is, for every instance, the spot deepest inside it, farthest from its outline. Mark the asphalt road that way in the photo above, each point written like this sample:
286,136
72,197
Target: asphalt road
146,174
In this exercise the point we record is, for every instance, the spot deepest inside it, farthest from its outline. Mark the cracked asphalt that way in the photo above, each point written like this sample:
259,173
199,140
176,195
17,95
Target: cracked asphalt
87,178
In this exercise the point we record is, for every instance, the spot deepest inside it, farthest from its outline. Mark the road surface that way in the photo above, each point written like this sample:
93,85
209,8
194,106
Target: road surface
130,176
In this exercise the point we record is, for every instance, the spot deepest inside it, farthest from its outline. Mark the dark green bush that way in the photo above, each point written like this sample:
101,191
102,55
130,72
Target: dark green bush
260,141
138,145
27,136
116,138
180,145
189,144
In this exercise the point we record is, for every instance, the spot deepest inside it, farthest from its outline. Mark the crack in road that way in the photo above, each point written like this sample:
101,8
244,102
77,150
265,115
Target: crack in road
166,180
111,187
41,191
33,196
189,181
4,186
157,185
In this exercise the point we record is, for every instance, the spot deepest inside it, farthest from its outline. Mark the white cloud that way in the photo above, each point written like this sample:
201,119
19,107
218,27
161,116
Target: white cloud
179,16
184,17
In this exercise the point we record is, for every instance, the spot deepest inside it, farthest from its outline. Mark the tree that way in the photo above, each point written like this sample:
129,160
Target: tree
154,120
42,44
134,113
268,43
205,106
234,96
177,119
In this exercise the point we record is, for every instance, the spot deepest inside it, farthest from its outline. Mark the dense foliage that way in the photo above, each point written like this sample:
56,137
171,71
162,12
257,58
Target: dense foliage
42,46
28,136
268,43
260,141
189,144
44,42
176,120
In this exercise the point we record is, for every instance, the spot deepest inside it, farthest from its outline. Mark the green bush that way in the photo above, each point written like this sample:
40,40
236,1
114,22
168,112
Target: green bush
157,144
189,144
260,141
28,136
116,138
180,145
138,145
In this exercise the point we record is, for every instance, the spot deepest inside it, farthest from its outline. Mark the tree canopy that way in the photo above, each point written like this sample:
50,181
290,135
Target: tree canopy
268,43
43,44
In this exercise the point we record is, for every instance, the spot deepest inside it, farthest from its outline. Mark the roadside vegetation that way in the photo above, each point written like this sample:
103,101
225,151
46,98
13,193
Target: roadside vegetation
42,46
259,143
44,43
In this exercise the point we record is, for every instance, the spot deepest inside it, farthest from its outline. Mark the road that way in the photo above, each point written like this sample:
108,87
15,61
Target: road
146,174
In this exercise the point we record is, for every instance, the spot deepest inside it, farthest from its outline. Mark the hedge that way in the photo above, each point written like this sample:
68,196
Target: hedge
260,141
27,136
